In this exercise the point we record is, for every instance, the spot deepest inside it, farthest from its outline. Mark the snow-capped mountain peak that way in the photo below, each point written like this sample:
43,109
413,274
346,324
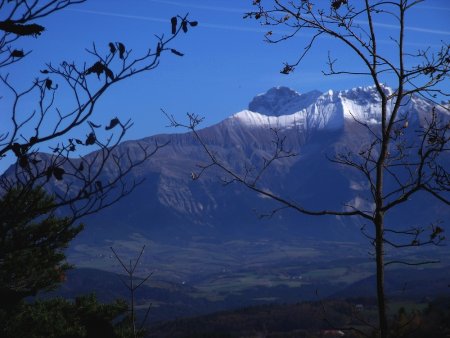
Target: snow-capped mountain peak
279,101
253,119
281,107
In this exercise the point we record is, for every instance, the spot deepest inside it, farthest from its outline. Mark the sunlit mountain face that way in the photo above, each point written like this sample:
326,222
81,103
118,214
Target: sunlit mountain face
315,127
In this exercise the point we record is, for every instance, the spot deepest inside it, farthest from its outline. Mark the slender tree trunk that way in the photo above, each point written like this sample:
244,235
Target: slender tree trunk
379,219
133,322
379,253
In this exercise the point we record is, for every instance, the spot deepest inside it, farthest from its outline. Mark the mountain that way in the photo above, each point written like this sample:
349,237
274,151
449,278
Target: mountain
169,205
282,101
206,241
315,126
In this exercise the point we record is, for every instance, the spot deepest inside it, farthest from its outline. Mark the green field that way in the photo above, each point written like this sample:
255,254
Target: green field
202,275
216,270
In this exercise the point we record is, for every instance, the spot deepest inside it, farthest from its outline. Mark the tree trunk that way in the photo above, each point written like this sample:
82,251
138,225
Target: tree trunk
379,253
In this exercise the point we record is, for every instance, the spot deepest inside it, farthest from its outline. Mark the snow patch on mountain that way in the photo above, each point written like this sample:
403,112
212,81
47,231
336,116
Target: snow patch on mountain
325,112
253,119
281,107
363,104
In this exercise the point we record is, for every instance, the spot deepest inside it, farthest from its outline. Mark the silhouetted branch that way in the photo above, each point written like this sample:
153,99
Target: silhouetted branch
17,20
132,286
77,183
194,121
394,167
411,263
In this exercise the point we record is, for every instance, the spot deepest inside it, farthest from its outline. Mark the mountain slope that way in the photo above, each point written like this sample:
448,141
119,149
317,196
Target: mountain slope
169,204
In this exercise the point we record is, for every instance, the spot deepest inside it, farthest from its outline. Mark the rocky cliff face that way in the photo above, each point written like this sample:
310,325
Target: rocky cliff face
316,125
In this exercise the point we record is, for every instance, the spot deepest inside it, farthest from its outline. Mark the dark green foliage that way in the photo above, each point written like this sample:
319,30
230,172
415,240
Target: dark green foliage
434,321
274,319
32,243
312,320
61,318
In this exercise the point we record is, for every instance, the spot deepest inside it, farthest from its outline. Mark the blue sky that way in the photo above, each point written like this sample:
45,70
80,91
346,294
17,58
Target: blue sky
226,61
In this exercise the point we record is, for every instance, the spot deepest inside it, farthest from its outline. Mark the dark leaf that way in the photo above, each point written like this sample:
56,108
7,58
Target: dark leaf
33,139
184,26
23,161
287,69
81,166
112,48
121,48
90,140
97,68
93,125
429,70
193,23
436,231
99,186
22,30
17,53
49,173
78,141
158,49
58,173
48,84
336,4
109,73
114,122
44,71
174,21
17,149
176,52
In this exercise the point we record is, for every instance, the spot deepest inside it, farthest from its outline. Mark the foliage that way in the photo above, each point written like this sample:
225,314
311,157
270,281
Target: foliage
273,320
61,318
311,319
32,243
433,321
64,97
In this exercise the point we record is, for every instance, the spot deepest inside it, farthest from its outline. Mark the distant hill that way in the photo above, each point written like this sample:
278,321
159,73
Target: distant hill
427,283
172,300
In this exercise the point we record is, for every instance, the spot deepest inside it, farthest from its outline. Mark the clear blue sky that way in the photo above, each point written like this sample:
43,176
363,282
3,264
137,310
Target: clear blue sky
226,61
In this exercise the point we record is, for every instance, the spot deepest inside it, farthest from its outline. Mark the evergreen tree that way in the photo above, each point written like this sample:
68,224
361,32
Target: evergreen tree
61,318
32,243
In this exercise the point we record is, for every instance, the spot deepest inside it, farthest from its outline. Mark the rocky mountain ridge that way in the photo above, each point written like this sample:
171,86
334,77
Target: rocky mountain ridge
315,127
169,204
